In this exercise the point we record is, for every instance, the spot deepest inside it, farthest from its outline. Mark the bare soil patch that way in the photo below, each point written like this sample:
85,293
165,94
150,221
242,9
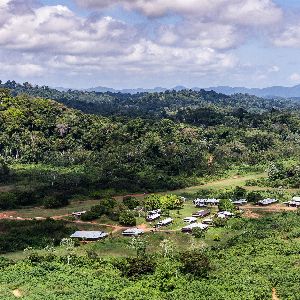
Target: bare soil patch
17,293
274,295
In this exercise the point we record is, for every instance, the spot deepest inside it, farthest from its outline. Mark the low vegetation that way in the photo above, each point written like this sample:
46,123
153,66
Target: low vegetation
262,254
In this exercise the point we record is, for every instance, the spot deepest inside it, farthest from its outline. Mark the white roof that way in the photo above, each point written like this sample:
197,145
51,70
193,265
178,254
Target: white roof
166,221
89,234
196,225
296,199
133,231
226,213
153,217
79,212
190,219
208,220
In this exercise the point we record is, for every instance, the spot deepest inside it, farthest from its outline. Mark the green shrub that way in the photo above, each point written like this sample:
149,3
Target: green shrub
198,232
127,218
8,200
195,262
130,202
226,205
218,222
55,201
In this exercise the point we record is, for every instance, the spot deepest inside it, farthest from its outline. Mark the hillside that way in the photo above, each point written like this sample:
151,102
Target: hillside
150,105
49,146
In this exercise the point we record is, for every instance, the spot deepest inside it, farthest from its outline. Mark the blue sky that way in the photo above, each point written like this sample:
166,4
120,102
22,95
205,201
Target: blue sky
131,43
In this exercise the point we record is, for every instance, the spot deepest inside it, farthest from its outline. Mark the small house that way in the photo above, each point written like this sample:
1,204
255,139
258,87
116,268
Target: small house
153,217
190,219
189,228
240,202
224,214
132,232
208,221
204,202
78,214
89,235
164,222
267,201
201,213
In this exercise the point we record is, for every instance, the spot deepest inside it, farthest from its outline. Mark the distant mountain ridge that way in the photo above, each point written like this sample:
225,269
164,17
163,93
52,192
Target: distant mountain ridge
274,91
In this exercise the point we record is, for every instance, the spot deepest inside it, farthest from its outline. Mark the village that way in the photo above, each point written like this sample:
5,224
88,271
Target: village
207,217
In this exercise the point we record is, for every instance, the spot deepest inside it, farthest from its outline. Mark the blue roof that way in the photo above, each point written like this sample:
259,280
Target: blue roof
89,234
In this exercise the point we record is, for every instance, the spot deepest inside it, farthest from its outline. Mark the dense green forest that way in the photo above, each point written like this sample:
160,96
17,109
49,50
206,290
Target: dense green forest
152,105
52,150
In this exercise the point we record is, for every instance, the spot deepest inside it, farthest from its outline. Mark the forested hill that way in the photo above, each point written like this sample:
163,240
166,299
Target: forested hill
149,105
139,154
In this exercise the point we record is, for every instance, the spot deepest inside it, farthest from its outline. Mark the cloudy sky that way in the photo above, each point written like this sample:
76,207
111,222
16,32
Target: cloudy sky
148,43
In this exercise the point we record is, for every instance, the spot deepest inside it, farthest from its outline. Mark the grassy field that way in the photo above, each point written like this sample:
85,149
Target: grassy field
85,204
235,180
75,205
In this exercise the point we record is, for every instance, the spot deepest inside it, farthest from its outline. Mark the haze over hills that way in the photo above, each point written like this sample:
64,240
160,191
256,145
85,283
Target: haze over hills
274,91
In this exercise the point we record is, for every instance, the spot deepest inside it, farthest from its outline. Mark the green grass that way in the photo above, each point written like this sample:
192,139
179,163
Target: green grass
75,205
236,180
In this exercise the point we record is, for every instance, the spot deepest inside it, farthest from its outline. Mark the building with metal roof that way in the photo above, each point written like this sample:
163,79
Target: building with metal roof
132,232
189,228
89,235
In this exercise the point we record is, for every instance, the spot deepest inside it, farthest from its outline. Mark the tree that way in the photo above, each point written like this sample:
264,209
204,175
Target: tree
171,202
167,248
4,168
130,202
226,205
275,171
195,262
55,201
254,197
152,202
239,193
127,218
8,200
139,245
198,232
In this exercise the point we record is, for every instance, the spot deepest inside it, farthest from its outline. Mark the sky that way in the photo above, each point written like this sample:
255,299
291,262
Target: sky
149,43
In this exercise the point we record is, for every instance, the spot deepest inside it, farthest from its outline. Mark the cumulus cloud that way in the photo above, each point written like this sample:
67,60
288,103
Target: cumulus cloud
258,12
198,34
289,37
37,39
295,77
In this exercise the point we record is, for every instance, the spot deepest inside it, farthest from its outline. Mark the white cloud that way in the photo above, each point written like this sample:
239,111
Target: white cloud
22,70
193,34
274,69
289,37
246,12
295,77
55,38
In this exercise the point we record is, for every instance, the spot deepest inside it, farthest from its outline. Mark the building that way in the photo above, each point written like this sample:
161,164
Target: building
89,235
164,222
190,219
153,217
78,214
208,221
239,202
201,213
224,214
295,202
133,232
189,228
267,201
204,202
